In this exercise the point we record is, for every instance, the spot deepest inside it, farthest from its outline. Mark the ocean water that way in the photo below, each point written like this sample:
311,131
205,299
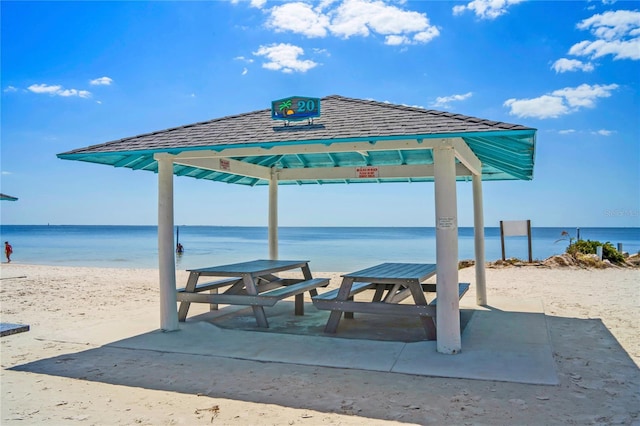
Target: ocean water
328,248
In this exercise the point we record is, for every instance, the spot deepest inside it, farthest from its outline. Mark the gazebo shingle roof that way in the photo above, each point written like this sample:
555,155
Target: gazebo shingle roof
342,120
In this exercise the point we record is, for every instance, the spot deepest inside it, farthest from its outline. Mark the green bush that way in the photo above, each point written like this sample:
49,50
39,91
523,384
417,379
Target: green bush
609,252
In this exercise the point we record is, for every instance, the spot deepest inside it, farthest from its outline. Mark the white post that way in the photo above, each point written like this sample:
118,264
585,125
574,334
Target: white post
478,224
273,215
166,250
448,310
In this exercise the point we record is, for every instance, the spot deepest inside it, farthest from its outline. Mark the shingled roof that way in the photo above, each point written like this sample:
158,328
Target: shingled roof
505,150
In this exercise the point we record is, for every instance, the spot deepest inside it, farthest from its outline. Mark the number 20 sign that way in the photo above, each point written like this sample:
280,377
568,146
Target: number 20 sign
295,108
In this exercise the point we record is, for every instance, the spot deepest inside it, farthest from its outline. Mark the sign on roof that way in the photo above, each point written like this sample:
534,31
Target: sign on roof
295,108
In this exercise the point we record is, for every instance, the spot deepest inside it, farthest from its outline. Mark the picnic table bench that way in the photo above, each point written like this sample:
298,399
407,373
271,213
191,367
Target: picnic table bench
398,281
250,284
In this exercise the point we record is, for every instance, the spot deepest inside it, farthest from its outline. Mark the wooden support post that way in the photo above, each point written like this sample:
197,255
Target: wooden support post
448,312
478,224
273,215
166,249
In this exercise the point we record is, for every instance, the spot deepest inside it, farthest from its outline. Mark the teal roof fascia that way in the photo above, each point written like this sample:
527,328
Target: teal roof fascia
326,142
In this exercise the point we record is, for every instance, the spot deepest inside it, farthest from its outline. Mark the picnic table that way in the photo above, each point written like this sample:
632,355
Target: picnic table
392,282
252,283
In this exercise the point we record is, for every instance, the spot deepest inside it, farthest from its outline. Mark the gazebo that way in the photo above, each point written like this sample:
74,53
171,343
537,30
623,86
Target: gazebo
5,197
331,140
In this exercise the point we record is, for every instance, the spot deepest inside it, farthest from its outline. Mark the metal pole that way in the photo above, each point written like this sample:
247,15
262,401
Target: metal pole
166,253
448,310
529,237
502,239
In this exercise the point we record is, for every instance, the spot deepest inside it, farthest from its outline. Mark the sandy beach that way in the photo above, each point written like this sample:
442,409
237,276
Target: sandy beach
592,315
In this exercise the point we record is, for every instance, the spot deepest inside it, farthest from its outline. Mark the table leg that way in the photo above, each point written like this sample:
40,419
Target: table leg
427,322
213,306
377,297
306,272
392,293
258,311
189,288
343,295
299,298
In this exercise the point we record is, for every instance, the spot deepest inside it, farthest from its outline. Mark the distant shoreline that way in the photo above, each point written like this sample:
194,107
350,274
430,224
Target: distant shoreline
325,227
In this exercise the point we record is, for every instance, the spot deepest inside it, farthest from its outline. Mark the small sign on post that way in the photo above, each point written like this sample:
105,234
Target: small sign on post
515,228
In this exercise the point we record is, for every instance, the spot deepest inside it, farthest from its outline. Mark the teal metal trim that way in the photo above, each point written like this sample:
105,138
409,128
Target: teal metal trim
269,145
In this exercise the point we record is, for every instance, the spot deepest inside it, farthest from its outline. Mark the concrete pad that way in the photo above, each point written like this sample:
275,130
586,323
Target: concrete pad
7,328
202,338
508,341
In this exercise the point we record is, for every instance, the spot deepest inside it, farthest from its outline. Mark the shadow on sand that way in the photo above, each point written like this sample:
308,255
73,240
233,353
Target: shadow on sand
197,361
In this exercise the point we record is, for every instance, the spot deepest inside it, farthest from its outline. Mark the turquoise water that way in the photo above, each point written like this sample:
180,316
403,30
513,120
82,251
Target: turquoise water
328,248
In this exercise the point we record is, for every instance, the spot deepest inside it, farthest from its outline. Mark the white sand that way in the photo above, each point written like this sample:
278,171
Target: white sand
48,378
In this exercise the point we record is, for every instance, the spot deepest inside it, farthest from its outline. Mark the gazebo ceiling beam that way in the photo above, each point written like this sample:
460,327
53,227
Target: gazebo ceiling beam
315,148
127,161
351,173
227,165
466,156
241,170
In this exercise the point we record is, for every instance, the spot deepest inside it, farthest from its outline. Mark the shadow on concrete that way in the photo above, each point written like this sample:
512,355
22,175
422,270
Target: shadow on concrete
199,360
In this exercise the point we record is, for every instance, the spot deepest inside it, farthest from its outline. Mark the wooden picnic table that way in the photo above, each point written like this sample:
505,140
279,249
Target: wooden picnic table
398,281
252,283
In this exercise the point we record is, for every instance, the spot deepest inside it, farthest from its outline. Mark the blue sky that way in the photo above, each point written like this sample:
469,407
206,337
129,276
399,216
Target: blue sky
75,74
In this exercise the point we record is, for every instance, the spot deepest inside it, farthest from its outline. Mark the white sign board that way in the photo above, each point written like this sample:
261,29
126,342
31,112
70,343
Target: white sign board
514,228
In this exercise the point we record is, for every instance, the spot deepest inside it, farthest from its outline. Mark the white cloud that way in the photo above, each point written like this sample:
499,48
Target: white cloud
542,107
559,102
396,40
57,90
258,3
445,101
243,59
613,25
603,132
620,49
102,81
585,95
299,18
486,9
73,92
44,88
566,132
564,65
10,89
244,71
362,17
284,57
616,33
353,18
426,36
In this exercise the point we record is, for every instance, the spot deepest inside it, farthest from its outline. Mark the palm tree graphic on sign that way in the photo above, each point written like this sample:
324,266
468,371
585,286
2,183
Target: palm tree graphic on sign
285,107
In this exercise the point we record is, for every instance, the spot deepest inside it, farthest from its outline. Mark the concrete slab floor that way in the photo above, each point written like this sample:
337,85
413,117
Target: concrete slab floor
508,341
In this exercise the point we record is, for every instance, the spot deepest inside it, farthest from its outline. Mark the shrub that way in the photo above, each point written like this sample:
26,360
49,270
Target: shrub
609,252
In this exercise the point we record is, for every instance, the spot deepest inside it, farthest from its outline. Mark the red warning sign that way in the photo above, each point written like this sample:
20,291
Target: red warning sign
367,172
